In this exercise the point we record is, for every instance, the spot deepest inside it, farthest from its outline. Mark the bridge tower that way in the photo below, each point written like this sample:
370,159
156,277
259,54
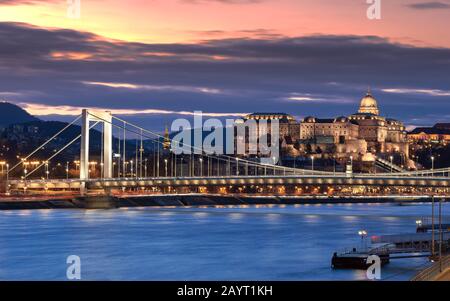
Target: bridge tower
96,116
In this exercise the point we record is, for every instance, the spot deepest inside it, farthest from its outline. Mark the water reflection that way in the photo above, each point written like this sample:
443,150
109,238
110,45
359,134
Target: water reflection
233,242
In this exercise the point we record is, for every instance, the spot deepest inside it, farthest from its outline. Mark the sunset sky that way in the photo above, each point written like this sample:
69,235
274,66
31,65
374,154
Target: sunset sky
157,60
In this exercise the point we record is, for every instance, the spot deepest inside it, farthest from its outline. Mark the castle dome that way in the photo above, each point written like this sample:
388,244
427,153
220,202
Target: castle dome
369,105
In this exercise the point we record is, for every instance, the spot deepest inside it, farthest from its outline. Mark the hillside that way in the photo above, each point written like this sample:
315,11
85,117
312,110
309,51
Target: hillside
12,114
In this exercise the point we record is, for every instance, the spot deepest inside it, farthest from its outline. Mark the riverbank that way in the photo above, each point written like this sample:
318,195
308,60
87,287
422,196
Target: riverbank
178,200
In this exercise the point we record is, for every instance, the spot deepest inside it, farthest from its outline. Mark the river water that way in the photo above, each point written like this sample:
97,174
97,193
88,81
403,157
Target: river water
230,243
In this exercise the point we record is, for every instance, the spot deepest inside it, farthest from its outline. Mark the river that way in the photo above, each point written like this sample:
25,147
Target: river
227,243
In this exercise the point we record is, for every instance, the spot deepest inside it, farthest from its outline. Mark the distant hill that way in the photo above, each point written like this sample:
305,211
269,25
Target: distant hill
12,114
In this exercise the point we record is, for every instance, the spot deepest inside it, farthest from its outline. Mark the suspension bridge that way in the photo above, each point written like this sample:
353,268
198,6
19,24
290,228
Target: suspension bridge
122,171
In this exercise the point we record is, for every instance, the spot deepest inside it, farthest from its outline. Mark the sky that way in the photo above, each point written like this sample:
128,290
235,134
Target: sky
157,60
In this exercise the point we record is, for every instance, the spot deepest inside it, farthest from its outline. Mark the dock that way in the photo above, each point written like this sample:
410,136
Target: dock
390,247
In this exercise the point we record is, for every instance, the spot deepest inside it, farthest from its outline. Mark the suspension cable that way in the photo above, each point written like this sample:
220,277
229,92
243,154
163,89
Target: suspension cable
250,163
45,143
58,152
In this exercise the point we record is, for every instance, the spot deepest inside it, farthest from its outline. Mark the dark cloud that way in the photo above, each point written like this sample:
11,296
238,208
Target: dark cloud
315,75
430,5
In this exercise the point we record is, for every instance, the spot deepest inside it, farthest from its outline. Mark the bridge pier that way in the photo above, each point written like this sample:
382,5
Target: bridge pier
106,119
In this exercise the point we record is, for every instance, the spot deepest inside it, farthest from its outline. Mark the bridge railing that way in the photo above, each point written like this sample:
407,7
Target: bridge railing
433,271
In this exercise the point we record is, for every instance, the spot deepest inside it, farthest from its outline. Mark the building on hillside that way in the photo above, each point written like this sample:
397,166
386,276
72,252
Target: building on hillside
440,132
360,135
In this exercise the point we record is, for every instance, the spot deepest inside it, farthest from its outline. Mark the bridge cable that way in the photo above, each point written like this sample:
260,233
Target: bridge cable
45,143
57,153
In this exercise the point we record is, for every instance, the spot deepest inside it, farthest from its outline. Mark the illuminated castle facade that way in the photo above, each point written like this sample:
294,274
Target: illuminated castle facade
361,135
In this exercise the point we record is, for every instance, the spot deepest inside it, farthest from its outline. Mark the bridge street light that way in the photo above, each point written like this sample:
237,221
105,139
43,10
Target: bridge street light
201,167
131,168
392,164
145,168
181,168
47,172
165,166
274,164
237,166
67,170
218,166
209,166
312,163
432,163
175,165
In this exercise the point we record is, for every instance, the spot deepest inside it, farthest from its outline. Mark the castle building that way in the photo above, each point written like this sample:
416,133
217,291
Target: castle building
360,135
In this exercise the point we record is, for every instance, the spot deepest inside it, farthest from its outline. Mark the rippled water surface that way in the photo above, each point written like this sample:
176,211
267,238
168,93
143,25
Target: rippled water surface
235,243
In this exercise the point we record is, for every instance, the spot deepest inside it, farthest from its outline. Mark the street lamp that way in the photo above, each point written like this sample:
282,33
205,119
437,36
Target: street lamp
312,163
274,163
392,159
145,168
181,169
201,167
67,170
47,172
351,162
165,163
432,163
237,166
363,234
131,168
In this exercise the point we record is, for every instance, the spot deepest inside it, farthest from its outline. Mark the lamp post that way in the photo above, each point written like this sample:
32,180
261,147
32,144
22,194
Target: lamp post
165,166
432,163
351,162
145,168
274,164
209,166
201,167
131,168
181,169
363,234
237,166
392,160
312,163
47,172
175,165
67,170
25,165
